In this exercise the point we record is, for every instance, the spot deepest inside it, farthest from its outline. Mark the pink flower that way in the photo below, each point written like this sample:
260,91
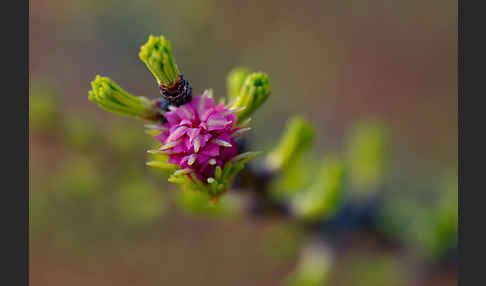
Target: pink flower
199,136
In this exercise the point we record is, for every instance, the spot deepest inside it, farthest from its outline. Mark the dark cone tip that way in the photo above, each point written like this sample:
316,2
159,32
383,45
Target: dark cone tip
177,93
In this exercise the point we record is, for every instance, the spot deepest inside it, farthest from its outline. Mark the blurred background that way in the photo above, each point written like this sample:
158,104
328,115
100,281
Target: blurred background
99,216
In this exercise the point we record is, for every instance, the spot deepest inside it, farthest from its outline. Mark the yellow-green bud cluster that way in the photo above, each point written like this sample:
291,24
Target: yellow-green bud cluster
253,93
157,55
111,97
235,80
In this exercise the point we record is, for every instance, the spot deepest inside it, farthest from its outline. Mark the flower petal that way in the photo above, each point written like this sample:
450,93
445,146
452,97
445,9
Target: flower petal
193,133
225,137
205,138
175,159
186,112
177,133
172,118
216,121
222,143
180,148
202,103
162,136
202,159
204,115
228,153
231,118
211,150
186,122
197,144
189,160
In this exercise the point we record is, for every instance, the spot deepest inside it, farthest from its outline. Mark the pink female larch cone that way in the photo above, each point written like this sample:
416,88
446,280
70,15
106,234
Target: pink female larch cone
199,136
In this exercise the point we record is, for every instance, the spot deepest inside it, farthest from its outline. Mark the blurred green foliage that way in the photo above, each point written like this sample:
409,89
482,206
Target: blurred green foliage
140,201
428,224
282,241
77,179
79,134
316,188
125,136
197,203
436,234
294,178
297,139
43,107
313,267
323,197
372,270
366,157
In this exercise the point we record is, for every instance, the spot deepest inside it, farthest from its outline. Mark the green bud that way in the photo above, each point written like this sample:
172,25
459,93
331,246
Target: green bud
234,82
323,197
254,92
157,55
111,97
296,140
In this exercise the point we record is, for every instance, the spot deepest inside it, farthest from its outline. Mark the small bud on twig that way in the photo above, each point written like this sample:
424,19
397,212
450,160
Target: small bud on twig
157,55
111,97
234,82
254,92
